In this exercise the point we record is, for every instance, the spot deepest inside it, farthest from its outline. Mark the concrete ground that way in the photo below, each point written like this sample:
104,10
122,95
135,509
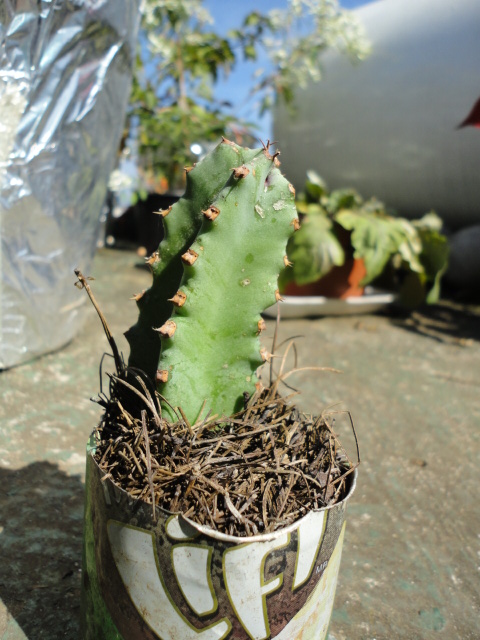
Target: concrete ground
411,563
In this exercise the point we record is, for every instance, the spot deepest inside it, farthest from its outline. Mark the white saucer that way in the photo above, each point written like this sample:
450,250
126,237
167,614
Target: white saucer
307,306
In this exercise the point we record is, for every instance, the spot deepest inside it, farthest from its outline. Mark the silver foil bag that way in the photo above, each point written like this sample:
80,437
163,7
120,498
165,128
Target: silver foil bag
65,75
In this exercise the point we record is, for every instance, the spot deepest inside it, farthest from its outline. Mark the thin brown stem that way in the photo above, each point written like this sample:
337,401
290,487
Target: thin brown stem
83,284
149,461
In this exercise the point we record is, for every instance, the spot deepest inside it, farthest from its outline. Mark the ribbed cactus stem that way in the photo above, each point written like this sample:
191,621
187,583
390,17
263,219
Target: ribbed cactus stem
181,222
210,346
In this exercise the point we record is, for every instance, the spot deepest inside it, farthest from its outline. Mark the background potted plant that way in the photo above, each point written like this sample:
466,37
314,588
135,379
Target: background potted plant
345,243
193,519
175,115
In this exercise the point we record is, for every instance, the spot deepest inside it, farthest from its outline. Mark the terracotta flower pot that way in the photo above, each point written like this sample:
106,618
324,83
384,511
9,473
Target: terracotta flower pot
340,282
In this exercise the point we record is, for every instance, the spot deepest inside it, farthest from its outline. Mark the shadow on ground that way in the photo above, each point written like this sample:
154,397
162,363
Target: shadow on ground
448,321
40,549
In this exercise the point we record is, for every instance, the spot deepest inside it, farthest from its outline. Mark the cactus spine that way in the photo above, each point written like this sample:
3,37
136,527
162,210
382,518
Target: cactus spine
232,250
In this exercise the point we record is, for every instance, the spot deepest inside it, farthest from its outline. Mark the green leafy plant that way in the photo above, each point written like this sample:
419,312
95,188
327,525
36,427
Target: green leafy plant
173,104
406,255
292,41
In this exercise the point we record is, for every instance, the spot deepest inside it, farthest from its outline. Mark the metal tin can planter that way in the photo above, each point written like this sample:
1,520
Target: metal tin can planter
171,579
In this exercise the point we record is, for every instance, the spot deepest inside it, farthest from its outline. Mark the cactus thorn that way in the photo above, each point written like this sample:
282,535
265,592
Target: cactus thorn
189,257
240,172
167,330
164,212
188,169
291,188
137,296
278,296
211,213
287,262
266,149
152,259
178,299
261,325
265,354
296,224
232,144
276,161
161,375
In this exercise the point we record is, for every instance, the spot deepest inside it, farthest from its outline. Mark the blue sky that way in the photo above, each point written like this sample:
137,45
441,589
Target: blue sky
227,15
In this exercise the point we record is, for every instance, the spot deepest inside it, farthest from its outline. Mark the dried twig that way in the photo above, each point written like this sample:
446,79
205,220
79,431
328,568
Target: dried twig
265,474
82,283
149,461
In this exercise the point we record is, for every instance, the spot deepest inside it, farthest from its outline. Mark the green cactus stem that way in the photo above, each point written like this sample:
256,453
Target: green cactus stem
181,222
210,345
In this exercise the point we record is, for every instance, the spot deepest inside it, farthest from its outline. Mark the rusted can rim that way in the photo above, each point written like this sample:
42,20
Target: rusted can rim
224,537
266,537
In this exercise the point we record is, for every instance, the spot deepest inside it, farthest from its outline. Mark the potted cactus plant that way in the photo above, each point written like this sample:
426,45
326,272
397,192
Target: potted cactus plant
214,508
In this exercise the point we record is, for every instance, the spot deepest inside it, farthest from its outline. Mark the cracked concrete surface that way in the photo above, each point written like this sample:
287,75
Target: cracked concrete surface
411,562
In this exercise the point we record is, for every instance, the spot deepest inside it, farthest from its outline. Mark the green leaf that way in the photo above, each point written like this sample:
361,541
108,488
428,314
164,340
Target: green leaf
235,34
150,99
315,187
250,52
429,221
412,289
342,199
374,238
253,19
312,209
411,246
314,250
434,259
